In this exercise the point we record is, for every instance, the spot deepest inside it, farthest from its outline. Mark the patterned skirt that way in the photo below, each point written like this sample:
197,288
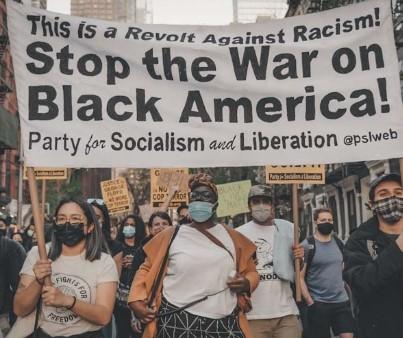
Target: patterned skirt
183,324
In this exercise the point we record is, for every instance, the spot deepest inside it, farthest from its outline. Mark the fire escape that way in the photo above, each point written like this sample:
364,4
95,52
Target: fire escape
398,28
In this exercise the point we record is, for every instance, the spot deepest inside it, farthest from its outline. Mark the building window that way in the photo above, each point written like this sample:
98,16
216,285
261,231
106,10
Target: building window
333,207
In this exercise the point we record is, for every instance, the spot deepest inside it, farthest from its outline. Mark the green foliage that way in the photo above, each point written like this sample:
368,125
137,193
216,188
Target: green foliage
71,188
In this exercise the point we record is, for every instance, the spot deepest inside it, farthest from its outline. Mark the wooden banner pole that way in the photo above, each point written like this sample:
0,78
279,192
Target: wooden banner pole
43,198
38,219
297,262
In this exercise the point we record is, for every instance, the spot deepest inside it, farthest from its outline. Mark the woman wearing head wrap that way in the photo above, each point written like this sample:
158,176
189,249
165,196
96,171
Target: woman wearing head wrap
205,284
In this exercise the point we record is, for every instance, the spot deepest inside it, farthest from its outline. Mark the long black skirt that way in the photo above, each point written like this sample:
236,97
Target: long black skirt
183,324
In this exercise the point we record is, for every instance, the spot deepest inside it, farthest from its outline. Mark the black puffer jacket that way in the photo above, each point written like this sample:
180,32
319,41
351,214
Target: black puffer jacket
374,271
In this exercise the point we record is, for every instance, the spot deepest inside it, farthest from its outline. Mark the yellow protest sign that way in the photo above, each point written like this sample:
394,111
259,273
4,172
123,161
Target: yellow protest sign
295,174
165,180
116,195
233,198
48,173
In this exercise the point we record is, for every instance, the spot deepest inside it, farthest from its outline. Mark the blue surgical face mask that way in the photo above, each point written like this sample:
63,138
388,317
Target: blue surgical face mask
201,211
129,231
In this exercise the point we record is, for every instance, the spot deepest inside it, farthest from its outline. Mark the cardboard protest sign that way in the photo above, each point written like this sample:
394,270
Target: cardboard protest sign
164,181
116,195
233,198
298,174
48,173
146,210
301,90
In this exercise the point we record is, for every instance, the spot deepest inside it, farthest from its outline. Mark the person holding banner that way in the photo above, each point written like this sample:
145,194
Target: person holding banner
81,299
197,278
373,258
274,312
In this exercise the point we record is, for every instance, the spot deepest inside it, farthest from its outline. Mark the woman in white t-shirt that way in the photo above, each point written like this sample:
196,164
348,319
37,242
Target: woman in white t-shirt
210,273
84,279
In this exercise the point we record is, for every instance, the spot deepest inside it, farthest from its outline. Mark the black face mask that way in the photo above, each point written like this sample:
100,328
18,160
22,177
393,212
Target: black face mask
325,228
69,234
3,232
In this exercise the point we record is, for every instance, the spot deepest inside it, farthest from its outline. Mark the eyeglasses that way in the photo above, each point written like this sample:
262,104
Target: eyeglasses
202,195
96,200
74,219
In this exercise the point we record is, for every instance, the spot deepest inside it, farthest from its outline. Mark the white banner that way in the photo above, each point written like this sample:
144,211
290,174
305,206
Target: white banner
319,88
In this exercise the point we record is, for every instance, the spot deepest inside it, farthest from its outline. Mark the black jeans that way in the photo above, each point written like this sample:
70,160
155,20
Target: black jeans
123,323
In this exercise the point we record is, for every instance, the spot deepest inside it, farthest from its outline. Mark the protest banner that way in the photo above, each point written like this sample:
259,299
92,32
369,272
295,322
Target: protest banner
233,198
169,184
300,90
295,174
116,195
48,173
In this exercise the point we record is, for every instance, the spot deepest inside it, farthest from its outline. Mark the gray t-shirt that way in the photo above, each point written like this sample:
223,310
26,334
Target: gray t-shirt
324,280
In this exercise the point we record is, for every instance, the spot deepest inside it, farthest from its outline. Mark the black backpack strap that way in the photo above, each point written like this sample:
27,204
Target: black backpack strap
158,280
311,253
339,243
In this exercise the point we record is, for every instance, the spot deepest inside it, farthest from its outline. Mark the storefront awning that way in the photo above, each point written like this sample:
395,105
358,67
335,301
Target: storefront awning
8,129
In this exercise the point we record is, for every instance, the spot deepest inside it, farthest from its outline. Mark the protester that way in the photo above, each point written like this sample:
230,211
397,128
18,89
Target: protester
114,231
115,248
131,233
17,236
115,225
158,222
12,256
84,279
13,227
274,312
28,235
206,262
374,262
183,213
322,282
3,226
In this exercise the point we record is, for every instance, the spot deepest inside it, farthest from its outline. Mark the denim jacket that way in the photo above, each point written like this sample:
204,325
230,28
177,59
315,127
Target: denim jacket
283,260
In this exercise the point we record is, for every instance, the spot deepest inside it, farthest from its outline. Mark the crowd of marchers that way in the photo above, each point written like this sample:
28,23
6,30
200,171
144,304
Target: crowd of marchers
200,278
